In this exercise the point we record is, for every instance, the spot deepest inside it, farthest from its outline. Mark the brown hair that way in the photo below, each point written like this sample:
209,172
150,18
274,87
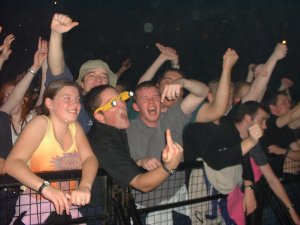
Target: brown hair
52,90
25,108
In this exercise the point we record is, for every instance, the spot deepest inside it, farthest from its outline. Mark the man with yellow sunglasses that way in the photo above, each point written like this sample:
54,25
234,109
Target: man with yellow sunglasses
109,141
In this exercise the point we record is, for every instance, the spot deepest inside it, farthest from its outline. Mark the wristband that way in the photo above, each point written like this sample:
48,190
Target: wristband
44,184
31,71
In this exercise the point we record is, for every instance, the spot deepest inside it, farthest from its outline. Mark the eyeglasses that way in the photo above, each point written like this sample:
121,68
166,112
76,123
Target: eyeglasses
113,102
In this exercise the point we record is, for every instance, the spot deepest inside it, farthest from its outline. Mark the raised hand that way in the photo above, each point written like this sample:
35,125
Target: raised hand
255,132
261,70
172,91
40,55
230,58
126,64
167,53
280,51
5,48
62,23
172,153
286,83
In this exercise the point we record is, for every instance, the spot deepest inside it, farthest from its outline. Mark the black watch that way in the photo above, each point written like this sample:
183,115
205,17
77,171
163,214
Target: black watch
171,172
44,184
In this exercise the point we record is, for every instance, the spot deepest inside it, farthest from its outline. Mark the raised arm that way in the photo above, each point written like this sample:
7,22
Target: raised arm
60,24
250,75
5,50
126,64
39,101
263,74
285,85
20,89
289,118
166,53
218,106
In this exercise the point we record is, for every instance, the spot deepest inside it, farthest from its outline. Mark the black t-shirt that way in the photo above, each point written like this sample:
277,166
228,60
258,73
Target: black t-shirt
111,148
5,135
218,145
281,137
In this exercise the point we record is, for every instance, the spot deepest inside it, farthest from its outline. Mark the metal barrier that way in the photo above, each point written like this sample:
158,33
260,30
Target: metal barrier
197,202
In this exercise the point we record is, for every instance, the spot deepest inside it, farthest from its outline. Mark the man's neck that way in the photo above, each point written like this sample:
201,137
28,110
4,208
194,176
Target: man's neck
149,123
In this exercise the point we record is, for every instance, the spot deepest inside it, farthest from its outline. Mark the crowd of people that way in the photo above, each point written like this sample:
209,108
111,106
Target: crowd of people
140,138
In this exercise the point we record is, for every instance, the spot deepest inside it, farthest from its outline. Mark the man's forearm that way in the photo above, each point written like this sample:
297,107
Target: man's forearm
56,60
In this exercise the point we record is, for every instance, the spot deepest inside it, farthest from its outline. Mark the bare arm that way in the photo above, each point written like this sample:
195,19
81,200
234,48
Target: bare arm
126,64
82,195
279,191
249,198
260,83
5,49
166,53
16,163
60,24
20,89
290,117
171,157
255,133
2,161
285,85
39,101
292,153
250,75
217,108
198,93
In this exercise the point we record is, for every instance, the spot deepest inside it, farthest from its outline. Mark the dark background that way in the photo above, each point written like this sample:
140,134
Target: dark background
200,30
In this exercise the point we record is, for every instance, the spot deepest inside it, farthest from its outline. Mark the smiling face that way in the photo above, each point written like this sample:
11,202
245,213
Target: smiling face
148,105
115,116
94,78
65,106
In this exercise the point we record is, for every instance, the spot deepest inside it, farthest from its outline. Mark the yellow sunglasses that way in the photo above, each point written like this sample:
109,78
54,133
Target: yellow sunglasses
113,102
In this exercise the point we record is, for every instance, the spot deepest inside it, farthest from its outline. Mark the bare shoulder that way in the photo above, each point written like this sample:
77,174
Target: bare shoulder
39,123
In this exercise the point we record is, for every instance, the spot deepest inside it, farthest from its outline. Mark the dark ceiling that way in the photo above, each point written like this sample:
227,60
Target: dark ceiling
200,30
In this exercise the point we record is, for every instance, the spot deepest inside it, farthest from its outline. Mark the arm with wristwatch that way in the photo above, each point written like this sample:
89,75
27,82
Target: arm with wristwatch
171,157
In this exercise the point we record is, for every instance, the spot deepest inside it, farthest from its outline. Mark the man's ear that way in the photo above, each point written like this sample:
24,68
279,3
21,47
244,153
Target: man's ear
82,84
135,107
99,117
48,103
273,109
210,97
248,118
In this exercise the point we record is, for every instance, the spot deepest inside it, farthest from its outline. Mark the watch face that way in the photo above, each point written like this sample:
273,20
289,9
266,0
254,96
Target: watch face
172,172
46,183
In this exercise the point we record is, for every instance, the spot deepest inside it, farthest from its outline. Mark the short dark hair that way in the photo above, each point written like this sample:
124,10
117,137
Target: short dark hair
170,69
246,108
92,98
145,84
